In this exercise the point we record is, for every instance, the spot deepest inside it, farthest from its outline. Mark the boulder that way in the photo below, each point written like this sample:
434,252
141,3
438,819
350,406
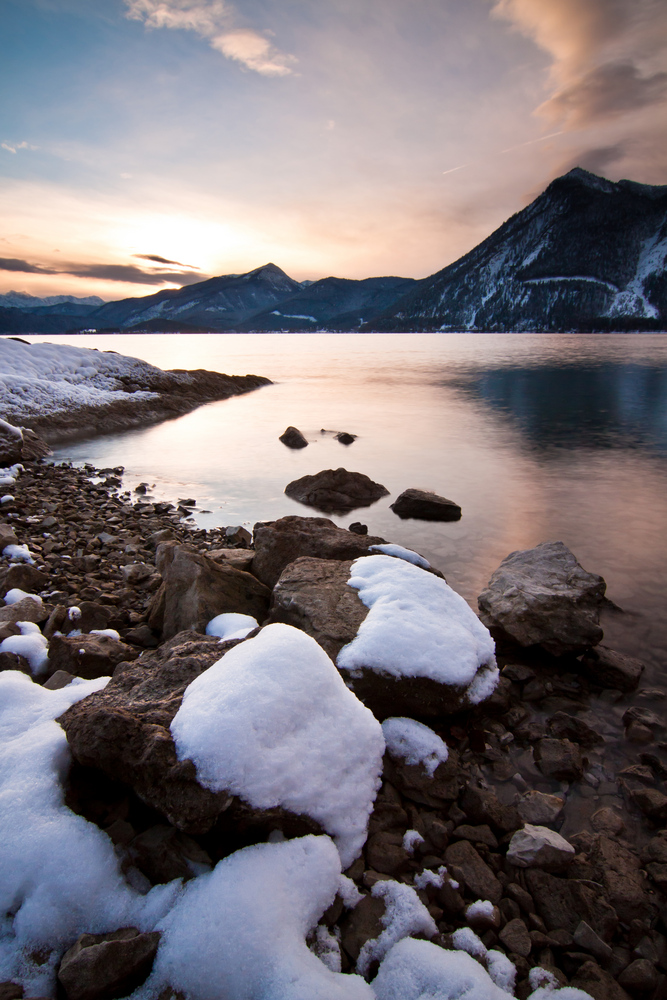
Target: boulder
11,444
28,609
345,438
467,866
598,983
540,847
516,938
293,438
278,543
7,536
564,726
415,783
482,805
88,656
559,759
105,966
542,596
195,589
563,902
313,595
336,490
24,577
618,870
425,506
33,446
609,669
539,807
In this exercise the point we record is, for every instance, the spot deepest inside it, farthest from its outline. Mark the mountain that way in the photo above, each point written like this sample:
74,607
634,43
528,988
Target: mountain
587,254
334,303
31,303
215,304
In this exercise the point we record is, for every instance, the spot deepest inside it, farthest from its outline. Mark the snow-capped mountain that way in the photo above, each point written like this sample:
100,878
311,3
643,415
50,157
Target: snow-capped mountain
587,254
22,300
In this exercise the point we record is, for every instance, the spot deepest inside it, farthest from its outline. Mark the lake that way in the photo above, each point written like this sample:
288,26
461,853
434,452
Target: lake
538,437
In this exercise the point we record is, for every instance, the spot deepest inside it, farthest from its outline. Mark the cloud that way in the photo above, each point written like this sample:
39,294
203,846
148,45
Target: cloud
13,147
105,272
163,260
214,20
606,54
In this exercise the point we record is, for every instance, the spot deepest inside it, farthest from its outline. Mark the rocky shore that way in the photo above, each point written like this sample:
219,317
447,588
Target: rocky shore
510,826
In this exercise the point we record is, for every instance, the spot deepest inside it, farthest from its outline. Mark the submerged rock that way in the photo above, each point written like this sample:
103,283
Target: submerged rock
425,506
542,596
293,438
336,490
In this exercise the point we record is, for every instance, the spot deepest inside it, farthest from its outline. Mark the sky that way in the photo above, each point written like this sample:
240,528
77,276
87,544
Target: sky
146,144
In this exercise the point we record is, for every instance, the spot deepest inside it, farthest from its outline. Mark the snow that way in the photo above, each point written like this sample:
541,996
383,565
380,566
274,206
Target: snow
348,892
411,840
481,907
59,875
327,948
47,379
231,626
417,626
428,877
31,644
404,914
414,743
18,553
15,595
111,632
390,549
239,932
419,970
466,940
273,722
501,971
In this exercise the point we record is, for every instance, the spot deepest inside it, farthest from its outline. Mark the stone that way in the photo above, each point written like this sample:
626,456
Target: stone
142,635
542,596
346,438
278,543
564,902
540,847
238,536
618,870
34,447
57,680
293,438
655,850
162,853
9,990
425,506
600,985
415,784
314,596
11,444
28,609
466,865
7,536
645,717
609,669
88,656
25,577
641,976
105,966
358,528
385,852
195,589
482,805
136,573
336,490
586,938
516,938
652,803
564,726
14,661
91,616
362,924
123,731
607,820
238,558
482,920
475,834
539,807
559,759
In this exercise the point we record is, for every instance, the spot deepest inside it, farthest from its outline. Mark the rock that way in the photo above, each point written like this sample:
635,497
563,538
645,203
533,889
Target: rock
414,782
238,537
597,983
57,680
9,990
607,820
516,938
88,656
142,635
559,759
336,490
195,589
542,596
618,869
358,528
91,616
11,444
33,446
564,726
278,543
104,966
564,902
610,669
425,506
293,438
641,976
482,805
25,577
346,438
28,609
540,847
645,717
652,803
539,807
385,852
483,920
136,573
362,924
476,835
162,854
238,558
7,536
655,850
467,866
14,661
313,595
586,938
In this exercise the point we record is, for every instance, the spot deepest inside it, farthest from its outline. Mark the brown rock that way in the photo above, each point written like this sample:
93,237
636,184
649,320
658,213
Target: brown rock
162,854
464,861
385,852
564,726
238,558
416,784
425,506
564,902
25,577
88,656
336,490
9,990
59,679
105,966
314,596
516,938
559,759
652,803
293,438
14,661
278,543
25,610
610,669
641,976
195,589
482,805
362,924
597,983
11,444
618,869
7,537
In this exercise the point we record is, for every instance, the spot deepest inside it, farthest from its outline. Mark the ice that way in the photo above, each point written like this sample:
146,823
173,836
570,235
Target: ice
239,933
404,914
391,549
18,553
419,970
417,626
15,595
231,626
414,743
59,875
31,644
273,722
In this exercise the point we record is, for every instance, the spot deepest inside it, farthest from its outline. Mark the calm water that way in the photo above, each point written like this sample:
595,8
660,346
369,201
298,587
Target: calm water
537,437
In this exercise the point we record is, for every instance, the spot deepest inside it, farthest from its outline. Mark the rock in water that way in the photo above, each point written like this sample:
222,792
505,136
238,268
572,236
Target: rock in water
293,438
336,490
426,506
542,596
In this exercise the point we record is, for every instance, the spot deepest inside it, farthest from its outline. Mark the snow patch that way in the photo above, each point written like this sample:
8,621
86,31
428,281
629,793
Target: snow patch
391,549
231,626
404,914
414,743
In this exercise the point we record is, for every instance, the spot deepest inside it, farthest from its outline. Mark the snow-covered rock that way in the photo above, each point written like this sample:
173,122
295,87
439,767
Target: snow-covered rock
414,743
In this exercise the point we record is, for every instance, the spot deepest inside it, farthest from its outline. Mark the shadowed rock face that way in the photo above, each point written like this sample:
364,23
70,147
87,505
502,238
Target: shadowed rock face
542,596
336,490
426,506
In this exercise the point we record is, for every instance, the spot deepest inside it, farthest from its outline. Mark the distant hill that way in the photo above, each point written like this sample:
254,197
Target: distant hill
587,254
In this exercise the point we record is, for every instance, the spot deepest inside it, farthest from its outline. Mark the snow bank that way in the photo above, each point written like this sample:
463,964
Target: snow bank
59,875
391,549
231,626
419,970
18,553
404,914
45,379
418,626
31,644
273,722
238,933
414,743
15,595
